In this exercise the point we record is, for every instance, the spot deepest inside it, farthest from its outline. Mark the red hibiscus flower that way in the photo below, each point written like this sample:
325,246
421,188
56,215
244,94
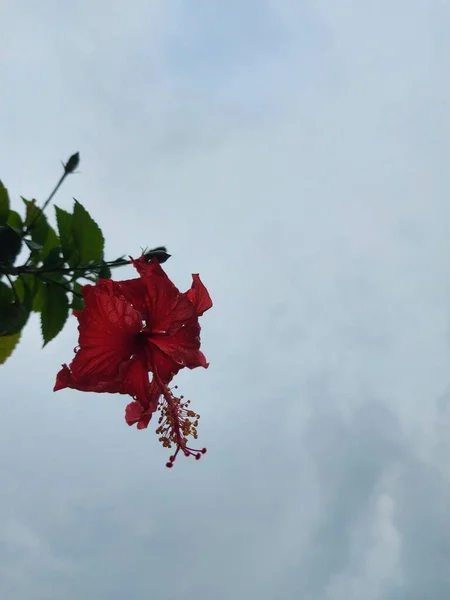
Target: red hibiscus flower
131,328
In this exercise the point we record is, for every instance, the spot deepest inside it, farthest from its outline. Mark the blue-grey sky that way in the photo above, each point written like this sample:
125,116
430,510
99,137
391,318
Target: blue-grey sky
294,153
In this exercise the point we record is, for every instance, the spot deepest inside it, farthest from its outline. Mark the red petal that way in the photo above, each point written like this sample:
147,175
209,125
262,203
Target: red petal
136,414
167,308
199,295
63,379
183,347
135,382
133,412
108,326
131,379
132,290
66,379
141,411
165,366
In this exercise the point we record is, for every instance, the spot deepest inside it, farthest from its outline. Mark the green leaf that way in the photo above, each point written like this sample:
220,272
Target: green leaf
21,284
41,232
4,204
81,238
77,301
35,285
15,221
88,236
33,245
7,345
13,318
64,220
32,211
51,242
55,311
38,296
54,258
6,296
14,312
10,245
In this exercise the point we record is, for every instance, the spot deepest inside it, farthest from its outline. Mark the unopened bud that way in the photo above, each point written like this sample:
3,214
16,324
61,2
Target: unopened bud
160,254
72,163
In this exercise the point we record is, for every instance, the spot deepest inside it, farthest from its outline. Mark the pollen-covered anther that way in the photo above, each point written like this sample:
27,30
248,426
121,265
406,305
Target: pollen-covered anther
176,423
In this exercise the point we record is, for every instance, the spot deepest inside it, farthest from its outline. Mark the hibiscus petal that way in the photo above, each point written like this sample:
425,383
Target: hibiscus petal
136,414
133,290
166,308
108,328
160,362
66,379
63,379
183,347
136,383
141,410
199,295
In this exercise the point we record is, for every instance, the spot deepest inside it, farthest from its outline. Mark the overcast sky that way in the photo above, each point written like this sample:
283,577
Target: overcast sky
295,154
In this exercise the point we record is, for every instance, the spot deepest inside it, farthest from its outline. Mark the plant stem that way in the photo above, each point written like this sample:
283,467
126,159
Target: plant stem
69,270
69,168
87,268
56,188
65,287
